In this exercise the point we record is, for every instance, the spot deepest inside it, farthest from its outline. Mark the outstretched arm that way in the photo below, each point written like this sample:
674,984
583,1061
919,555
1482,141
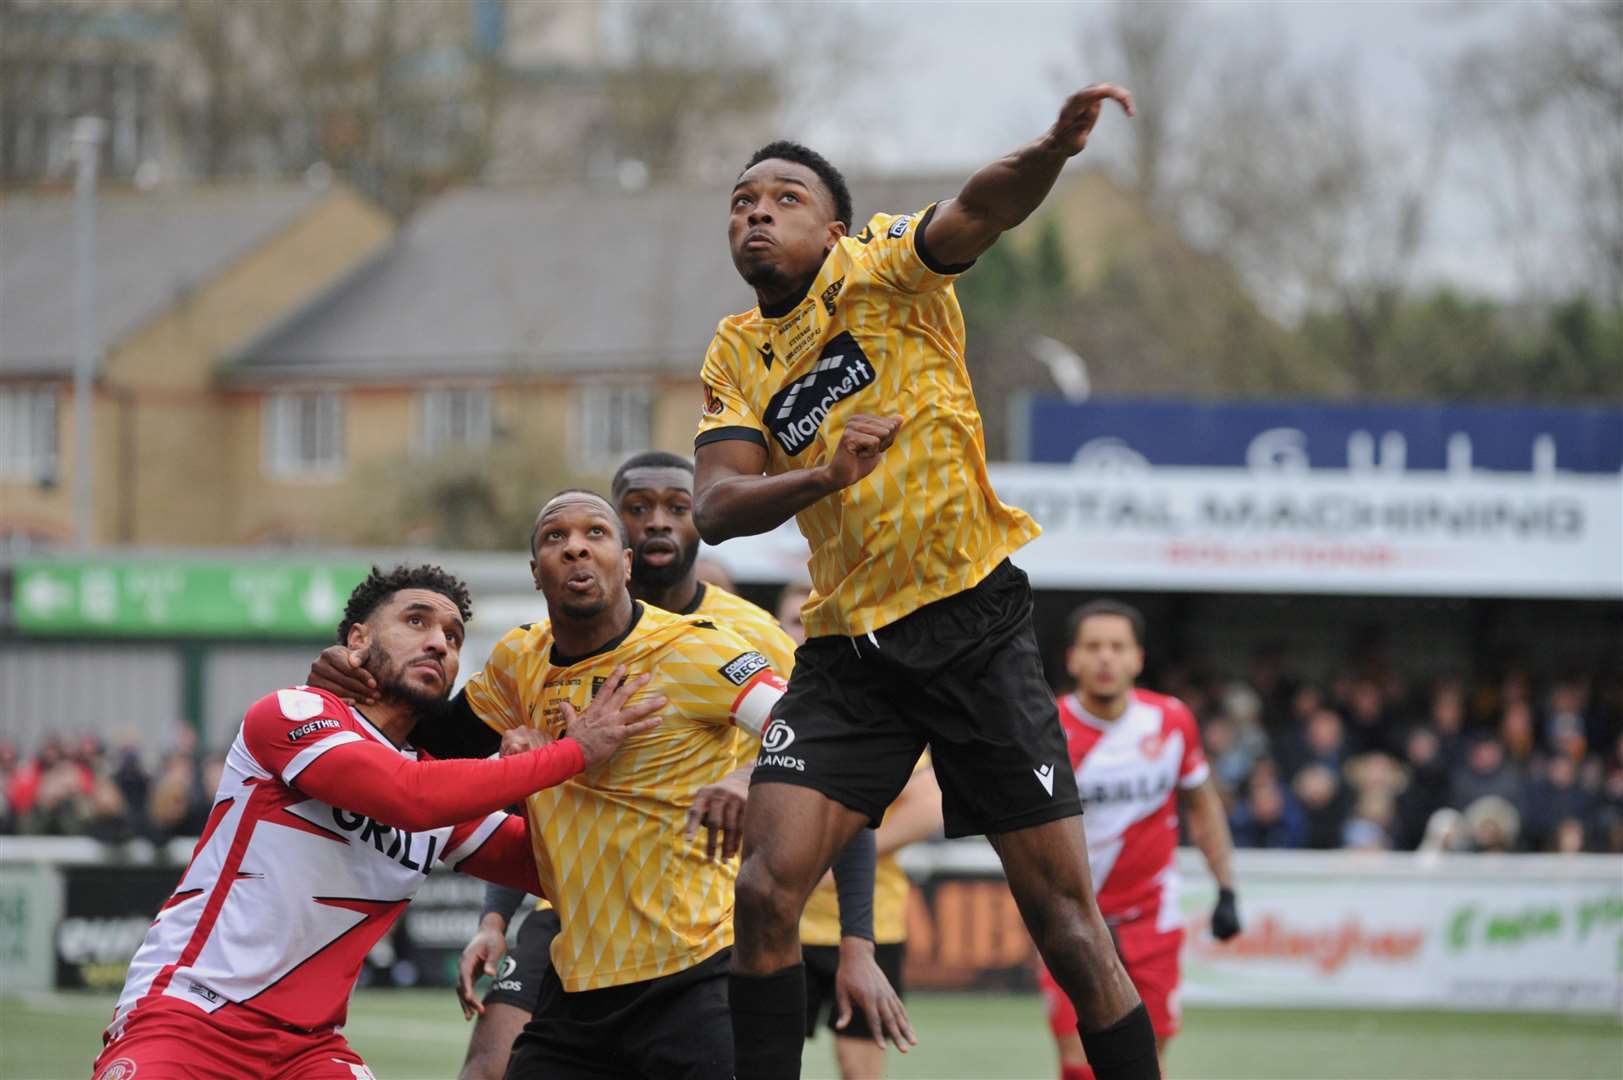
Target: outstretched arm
731,497
1004,193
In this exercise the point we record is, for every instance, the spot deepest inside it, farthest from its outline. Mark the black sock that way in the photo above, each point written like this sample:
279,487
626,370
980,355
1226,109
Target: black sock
769,1023
1125,1050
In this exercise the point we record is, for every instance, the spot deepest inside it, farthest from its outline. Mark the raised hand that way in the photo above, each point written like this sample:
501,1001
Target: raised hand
862,443
1080,112
611,719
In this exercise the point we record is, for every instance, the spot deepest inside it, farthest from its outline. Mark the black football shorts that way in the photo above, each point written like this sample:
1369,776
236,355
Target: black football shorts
518,979
962,676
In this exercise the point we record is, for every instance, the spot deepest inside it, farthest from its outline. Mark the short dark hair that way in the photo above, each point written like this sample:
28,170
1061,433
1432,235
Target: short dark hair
614,515
784,150
648,459
1134,617
379,587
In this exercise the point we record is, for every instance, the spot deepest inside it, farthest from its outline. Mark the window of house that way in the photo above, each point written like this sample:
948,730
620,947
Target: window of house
452,418
304,434
28,433
616,419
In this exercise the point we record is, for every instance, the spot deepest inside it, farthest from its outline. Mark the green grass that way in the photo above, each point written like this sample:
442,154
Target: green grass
420,1034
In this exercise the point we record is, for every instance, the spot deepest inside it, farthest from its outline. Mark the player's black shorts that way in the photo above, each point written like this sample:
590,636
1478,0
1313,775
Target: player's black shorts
677,1026
518,980
962,675
822,962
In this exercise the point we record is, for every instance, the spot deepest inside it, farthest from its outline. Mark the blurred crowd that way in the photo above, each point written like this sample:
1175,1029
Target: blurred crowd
80,787
1364,760
1367,760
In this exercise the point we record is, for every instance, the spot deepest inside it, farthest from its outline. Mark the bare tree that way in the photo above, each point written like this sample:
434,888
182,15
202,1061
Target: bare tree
1151,48
1547,101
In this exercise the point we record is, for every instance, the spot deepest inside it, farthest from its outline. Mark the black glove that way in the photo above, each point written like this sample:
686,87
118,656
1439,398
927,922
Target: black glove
1225,916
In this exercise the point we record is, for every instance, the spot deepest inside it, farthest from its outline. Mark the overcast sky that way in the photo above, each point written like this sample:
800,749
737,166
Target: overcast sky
953,84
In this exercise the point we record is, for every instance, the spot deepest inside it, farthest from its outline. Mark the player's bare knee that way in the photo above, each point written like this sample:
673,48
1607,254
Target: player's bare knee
1076,947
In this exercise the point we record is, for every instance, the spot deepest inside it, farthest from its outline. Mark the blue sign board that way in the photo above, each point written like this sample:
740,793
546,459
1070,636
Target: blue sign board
1284,435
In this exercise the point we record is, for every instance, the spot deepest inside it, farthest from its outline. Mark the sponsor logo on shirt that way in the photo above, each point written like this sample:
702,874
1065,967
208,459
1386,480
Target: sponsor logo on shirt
898,228
832,294
311,728
739,669
204,992
796,413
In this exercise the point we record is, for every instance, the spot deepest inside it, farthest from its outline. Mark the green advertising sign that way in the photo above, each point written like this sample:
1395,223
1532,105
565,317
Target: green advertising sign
154,598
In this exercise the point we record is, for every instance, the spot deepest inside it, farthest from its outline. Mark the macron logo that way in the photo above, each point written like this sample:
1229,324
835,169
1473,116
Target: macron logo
1045,776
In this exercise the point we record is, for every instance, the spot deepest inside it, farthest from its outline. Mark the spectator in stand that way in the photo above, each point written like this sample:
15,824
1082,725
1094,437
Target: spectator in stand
134,785
1267,817
1567,731
1483,772
107,816
1570,838
8,769
1447,719
1518,736
1553,801
1323,741
1427,789
1367,726
1370,826
176,806
1492,825
59,805
1324,803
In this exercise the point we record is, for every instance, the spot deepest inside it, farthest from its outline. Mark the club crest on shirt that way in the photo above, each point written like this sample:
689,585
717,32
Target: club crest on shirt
1150,745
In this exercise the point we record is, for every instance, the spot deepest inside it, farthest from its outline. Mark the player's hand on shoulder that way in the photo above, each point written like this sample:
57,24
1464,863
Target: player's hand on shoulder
1080,112
612,718
859,981
862,443
1225,916
339,671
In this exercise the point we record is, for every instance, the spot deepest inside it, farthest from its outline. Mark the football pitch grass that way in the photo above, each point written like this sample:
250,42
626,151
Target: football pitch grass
420,1034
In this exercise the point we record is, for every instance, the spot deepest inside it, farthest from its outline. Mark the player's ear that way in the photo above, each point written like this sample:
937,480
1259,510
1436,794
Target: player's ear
359,637
535,574
1073,662
626,556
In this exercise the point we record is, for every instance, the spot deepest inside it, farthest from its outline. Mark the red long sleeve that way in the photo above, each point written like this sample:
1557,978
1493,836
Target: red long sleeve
506,858
368,778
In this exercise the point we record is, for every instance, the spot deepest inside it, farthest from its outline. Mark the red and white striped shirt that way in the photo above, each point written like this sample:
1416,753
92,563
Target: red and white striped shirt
1128,772
287,890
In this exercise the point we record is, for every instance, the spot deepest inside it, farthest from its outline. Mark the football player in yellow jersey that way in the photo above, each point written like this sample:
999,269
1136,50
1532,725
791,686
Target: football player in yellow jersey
843,400
639,962
653,492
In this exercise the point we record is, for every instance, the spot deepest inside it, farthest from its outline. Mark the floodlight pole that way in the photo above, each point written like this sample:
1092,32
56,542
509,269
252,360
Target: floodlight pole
86,140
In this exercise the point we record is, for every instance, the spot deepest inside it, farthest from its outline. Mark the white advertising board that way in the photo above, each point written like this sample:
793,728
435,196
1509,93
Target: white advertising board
1471,932
1323,531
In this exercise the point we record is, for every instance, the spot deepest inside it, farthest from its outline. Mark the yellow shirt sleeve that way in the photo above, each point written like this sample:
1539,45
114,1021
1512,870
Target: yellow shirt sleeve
713,676
891,248
726,413
493,693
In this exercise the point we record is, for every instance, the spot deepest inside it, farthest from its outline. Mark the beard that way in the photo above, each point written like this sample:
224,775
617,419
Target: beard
661,577
427,705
